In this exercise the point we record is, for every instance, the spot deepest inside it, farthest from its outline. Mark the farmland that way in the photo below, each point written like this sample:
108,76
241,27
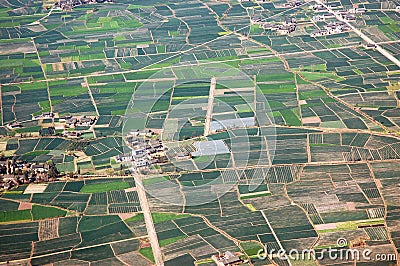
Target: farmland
258,123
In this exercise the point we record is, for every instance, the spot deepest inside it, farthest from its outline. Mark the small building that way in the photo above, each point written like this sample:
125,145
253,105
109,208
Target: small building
138,152
141,163
14,125
64,118
71,134
348,17
47,115
71,122
156,144
318,18
255,20
39,168
142,133
86,121
319,33
124,158
227,259
266,26
151,151
329,15
359,10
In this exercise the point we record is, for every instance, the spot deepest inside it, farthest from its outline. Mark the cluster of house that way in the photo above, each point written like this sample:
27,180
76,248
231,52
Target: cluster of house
71,134
70,4
146,150
70,121
21,172
285,28
227,259
345,14
331,28
291,4
323,17
47,115
74,121
318,8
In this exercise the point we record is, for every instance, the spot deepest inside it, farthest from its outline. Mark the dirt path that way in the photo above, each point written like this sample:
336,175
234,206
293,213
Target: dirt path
151,231
210,106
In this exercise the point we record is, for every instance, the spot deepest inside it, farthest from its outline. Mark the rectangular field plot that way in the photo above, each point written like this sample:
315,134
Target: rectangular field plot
124,208
16,243
98,229
35,188
197,246
55,187
117,196
104,186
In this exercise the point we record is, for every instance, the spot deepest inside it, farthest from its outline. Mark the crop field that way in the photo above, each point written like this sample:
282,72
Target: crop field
60,234
95,196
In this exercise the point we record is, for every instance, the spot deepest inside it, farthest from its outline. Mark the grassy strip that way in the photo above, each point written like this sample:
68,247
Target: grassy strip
147,253
158,217
10,216
168,241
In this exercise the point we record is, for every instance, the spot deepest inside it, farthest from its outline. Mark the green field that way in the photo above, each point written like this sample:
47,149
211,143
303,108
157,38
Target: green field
103,187
11,216
43,212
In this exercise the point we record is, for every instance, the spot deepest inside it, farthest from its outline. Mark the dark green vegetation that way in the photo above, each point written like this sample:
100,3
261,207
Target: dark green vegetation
42,212
103,187
10,212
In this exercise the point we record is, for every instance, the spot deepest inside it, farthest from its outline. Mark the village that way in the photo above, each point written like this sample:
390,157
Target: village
289,25
70,4
14,173
67,126
147,149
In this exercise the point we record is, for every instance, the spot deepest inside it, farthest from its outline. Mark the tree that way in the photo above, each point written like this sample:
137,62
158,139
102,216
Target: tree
3,169
53,171
26,175
14,165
